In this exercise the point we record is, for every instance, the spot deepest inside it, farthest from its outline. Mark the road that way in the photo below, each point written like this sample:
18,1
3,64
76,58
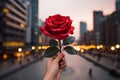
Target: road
77,69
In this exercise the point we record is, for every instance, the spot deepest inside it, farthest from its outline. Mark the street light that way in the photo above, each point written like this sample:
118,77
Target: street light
82,50
98,47
19,49
117,46
33,47
101,46
5,56
39,47
112,48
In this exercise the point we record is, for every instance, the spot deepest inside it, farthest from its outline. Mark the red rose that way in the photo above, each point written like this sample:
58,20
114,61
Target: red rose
58,27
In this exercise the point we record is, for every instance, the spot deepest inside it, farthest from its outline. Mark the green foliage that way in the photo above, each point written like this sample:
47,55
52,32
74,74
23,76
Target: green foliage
70,50
53,42
68,40
51,51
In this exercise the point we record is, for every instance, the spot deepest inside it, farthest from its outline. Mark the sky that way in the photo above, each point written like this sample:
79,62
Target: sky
78,10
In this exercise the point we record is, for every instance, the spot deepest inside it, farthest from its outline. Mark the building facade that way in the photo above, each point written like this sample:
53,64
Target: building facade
97,20
117,5
110,30
87,38
27,4
35,27
83,28
12,25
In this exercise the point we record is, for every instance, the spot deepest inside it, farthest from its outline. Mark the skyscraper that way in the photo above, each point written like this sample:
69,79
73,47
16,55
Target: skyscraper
83,29
110,29
117,5
97,19
35,28
28,27
12,25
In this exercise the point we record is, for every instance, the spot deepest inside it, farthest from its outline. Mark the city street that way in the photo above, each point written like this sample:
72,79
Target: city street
77,69
88,29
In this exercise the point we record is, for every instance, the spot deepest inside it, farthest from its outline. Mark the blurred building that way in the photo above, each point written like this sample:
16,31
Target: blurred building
87,38
29,23
110,29
83,28
35,27
98,17
117,5
28,6
43,39
12,25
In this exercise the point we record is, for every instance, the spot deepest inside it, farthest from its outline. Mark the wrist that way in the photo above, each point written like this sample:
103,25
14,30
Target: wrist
48,77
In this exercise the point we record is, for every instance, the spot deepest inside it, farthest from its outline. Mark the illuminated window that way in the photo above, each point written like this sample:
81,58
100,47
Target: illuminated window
22,25
5,10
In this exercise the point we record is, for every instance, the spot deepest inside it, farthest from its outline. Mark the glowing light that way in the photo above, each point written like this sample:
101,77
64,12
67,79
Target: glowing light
22,25
77,48
39,47
117,46
92,46
44,47
17,54
27,52
98,47
85,47
22,55
5,10
112,48
33,47
5,56
14,44
19,49
82,50
101,46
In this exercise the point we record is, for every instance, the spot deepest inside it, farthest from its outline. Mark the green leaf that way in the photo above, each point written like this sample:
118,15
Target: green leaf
53,42
70,50
51,51
68,40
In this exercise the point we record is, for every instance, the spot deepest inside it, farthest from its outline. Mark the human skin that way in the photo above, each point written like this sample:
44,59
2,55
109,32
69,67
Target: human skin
55,67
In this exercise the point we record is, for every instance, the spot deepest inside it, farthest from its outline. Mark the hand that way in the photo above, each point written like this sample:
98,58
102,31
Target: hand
54,67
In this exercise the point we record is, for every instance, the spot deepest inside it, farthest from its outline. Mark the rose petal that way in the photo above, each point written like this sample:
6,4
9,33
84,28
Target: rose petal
58,27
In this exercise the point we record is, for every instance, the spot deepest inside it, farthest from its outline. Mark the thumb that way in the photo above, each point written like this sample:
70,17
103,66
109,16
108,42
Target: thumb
59,57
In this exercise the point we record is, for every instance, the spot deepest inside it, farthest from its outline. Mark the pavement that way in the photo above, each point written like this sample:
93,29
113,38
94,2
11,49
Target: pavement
9,67
78,68
106,60
106,63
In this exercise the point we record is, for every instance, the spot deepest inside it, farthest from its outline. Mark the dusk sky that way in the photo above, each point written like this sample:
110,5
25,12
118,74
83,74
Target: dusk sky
78,10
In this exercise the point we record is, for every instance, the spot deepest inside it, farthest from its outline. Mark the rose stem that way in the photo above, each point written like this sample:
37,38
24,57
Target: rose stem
60,45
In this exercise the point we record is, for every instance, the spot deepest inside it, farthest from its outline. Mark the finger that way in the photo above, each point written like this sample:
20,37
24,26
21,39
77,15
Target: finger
63,66
63,62
59,57
59,74
50,59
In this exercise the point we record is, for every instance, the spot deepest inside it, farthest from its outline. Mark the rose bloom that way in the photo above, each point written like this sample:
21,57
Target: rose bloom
58,27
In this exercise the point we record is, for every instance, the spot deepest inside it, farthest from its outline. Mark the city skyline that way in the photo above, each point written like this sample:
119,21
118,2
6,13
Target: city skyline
76,9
